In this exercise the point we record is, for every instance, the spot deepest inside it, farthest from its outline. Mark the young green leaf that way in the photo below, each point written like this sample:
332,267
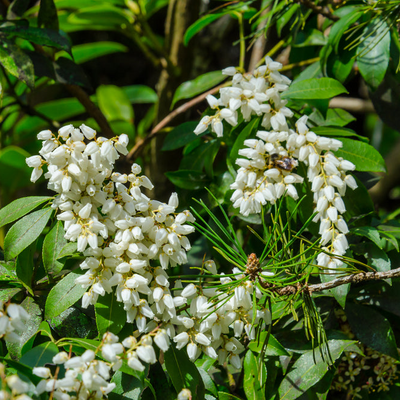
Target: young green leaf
199,25
20,207
90,51
114,103
25,232
140,94
254,380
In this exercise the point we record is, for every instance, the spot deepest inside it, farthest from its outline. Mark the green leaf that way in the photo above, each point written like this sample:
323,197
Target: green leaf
312,71
311,37
189,89
114,103
341,64
181,136
373,53
322,88
44,37
362,155
13,169
208,381
305,372
339,292
17,8
61,109
40,355
53,243
201,156
63,295
20,207
199,25
66,71
254,380
273,348
8,294
31,326
104,15
227,396
183,372
153,6
24,266
48,15
110,314
188,179
371,233
375,256
127,387
17,63
25,232
250,128
377,333
286,17
332,131
90,51
341,26
336,117
68,250
140,94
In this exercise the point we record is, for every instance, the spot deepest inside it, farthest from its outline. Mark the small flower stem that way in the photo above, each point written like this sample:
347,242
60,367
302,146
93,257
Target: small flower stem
242,41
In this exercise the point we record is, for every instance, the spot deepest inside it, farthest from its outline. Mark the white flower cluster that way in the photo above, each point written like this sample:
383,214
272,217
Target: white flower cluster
218,319
13,318
86,376
116,226
13,387
266,172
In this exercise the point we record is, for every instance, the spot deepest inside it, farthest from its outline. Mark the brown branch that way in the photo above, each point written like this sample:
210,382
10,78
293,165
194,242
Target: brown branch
138,148
324,11
91,109
352,104
353,278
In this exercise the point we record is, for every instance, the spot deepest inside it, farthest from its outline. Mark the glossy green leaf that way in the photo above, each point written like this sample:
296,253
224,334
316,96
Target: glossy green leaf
13,169
189,89
305,372
250,129
339,117
17,63
254,380
197,26
350,14
48,15
201,156
312,71
183,372
17,8
66,71
322,88
371,233
20,207
114,103
273,348
106,15
90,51
127,387
286,17
333,131
340,64
227,396
110,314
53,243
373,53
153,6
63,295
61,109
40,355
41,36
181,136
376,257
362,155
310,37
24,266
209,384
140,94
25,231
188,179
377,333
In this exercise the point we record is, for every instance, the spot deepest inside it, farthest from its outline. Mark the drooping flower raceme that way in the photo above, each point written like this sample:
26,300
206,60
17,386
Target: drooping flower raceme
128,239
268,164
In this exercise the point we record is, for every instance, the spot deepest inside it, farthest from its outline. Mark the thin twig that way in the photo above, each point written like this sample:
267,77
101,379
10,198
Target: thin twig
137,149
353,278
324,11
91,109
